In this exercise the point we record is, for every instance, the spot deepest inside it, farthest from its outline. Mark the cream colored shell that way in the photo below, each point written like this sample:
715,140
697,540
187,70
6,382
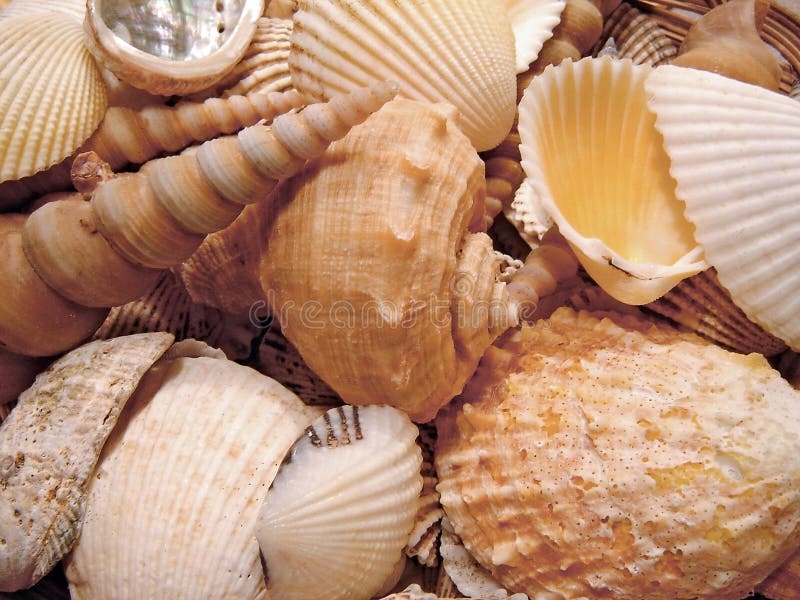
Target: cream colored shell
589,458
339,513
533,22
596,168
24,8
735,153
172,508
457,51
53,95
50,444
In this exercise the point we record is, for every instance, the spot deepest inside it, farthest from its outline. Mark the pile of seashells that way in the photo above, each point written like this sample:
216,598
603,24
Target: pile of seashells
398,298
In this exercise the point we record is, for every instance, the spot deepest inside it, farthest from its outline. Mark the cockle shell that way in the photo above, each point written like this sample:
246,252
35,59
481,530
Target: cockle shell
735,153
335,521
50,444
589,458
24,8
726,41
596,167
186,468
457,51
397,196
167,48
532,22
423,542
53,95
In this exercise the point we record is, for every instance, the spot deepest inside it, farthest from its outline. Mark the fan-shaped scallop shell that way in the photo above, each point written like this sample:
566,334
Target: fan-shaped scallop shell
532,22
169,48
735,153
53,95
596,167
339,512
172,509
588,456
458,51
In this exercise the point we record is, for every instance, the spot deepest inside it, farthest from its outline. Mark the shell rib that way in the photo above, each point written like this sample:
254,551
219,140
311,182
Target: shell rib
726,41
532,22
156,218
53,96
24,8
740,184
638,37
599,171
335,521
591,456
50,444
187,467
457,51
124,45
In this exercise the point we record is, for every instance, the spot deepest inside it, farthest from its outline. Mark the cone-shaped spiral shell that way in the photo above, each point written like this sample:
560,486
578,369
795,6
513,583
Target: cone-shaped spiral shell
735,153
23,8
339,512
587,456
53,95
596,167
170,48
172,510
395,198
458,51
50,444
532,22
726,41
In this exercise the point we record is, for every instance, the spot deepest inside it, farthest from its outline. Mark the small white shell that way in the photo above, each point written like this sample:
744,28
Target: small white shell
735,153
340,510
23,8
533,22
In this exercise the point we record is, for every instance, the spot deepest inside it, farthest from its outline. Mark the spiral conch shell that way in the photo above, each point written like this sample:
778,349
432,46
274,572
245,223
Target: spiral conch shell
407,322
50,444
596,167
589,458
53,96
186,468
457,51
335,521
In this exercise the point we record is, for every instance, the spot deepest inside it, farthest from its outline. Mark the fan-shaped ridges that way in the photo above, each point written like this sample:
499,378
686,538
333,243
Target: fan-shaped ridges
459,51
340,511
596,165
533,22
53,96
735,153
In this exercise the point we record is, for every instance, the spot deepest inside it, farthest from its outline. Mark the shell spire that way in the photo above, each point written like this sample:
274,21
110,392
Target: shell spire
151,220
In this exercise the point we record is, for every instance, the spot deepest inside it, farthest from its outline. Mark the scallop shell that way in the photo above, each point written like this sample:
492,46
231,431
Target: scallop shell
638,37
740,184
50,444
532,22
339,512
53,96
24,8
170,48
414,185
458,51
186,468
702,305
423,541
588,455
598,170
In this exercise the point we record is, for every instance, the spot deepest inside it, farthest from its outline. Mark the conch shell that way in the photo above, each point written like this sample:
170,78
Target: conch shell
456,51
726,41
174,49
590,455
186,467
50,444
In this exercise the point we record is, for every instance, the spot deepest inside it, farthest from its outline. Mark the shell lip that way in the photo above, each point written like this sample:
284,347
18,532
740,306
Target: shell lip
215,64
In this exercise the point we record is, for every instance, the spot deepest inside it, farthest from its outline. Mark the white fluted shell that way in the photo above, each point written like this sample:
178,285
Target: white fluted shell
735,153
595,165
166,47
458,51
172,508
339,513
52,96
23,8
533,22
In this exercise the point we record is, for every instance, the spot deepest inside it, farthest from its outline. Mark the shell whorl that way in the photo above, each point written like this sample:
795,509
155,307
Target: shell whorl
153,219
